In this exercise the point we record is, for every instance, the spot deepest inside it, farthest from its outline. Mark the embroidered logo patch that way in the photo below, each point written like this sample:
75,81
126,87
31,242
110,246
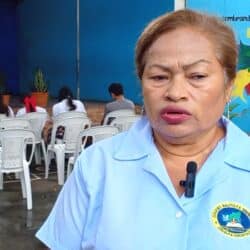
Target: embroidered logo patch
232,219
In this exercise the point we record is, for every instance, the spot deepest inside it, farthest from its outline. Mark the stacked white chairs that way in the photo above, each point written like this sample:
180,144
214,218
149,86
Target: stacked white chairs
96,133
117,113
72,127
37,121
123,123
13,158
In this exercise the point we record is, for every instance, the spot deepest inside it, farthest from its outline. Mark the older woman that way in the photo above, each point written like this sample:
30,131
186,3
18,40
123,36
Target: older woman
134,191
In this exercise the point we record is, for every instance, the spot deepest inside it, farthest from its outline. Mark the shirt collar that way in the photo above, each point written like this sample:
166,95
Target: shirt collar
137,142
141,144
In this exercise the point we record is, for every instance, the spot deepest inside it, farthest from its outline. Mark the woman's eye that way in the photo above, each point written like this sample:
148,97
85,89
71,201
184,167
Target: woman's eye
198,76
159,78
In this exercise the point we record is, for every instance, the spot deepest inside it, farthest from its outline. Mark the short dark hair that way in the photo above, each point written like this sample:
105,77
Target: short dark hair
116,88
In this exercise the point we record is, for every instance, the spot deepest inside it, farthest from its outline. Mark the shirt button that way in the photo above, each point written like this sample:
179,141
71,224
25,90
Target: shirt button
178,214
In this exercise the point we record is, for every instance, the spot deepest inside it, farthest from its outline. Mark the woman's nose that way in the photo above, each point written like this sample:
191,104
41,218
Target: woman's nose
176,89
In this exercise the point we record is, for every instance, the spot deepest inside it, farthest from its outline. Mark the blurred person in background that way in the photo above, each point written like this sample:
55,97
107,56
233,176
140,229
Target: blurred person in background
67,103
5,109
29,105
119,101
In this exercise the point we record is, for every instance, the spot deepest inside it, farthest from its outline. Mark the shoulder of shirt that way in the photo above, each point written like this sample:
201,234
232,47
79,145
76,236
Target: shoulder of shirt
92,164
78,101
128,100
97,160
237,145
41,109
111,103
130,145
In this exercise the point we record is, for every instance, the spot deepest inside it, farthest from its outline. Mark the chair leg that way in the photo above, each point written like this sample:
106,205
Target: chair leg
60,162
22,180
45,159
1,181
38,154
28,187
48,159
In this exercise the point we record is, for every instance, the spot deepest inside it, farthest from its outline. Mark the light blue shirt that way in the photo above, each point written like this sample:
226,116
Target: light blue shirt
119,197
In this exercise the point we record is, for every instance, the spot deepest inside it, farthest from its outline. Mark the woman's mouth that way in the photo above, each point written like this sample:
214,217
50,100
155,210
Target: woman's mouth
175,115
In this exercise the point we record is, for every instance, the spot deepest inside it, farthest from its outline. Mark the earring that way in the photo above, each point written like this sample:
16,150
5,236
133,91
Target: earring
143,110
228,109
143,107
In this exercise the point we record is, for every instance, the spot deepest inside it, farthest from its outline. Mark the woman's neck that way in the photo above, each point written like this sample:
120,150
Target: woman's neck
196,148
176,155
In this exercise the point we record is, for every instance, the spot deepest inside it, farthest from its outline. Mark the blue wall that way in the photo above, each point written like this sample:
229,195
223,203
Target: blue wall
8,44
108,32
47,39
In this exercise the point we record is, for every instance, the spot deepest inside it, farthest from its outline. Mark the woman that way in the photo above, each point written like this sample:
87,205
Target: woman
29,103
4,109
125,192
66,103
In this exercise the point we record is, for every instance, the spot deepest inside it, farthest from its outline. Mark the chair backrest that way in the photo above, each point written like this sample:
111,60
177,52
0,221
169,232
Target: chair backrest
69,114
3,116
14,123
37,121
113,114
123,123
72,127
97,133
13,148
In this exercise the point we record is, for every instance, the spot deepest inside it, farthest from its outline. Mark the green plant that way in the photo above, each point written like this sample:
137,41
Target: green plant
40,84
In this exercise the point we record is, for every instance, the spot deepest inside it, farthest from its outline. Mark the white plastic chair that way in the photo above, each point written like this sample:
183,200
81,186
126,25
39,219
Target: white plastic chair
69,114
3,116
123,123
14,122
113,114
13,158
73,126
96,133
37,121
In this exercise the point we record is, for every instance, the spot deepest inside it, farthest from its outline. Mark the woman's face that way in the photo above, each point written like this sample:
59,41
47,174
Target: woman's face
183,85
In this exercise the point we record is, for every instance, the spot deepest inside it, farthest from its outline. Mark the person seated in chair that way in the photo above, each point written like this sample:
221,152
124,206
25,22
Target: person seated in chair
29,103
67,103
4,109
119,102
